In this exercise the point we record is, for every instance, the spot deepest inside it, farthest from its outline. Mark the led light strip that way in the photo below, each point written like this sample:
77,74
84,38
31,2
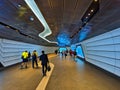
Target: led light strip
37,12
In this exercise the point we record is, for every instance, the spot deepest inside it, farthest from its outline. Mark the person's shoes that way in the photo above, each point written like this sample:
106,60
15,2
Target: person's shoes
37,67
21,67
44,75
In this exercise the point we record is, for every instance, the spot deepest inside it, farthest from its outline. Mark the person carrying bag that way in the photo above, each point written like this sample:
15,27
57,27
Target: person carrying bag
44,63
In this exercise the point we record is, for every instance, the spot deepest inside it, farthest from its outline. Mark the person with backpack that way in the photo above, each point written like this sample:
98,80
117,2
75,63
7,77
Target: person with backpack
34,58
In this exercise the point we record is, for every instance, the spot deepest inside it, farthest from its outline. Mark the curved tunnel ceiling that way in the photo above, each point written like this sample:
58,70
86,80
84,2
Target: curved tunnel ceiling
19,23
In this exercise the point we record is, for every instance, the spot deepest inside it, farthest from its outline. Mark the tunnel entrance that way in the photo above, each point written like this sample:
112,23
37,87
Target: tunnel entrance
61,49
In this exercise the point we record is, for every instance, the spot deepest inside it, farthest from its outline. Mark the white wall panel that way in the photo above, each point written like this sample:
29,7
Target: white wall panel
106,60
118,55
116,39
100,37
106,41
117,63
102,48
104,66
117,71
104,51
10,51
117,47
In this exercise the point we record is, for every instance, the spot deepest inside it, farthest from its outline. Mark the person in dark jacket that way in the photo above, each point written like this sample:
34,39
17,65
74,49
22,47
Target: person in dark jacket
44,62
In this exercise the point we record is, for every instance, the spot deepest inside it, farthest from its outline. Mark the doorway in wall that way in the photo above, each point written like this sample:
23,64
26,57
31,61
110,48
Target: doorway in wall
79,51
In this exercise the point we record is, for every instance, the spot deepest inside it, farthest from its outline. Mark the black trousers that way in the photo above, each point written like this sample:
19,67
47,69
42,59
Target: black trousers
44,69
35,63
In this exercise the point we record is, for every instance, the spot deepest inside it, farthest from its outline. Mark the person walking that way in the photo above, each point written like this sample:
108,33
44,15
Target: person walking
24,57
34,58
44,62
29,56
65,53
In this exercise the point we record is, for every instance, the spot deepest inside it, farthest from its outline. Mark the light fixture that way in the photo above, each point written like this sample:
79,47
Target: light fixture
95,0
92,10
19,5
89,14
31,18
17,30
33,6
7,26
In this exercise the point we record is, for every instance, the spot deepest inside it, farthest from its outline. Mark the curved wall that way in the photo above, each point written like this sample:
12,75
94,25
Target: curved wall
10,51
104,51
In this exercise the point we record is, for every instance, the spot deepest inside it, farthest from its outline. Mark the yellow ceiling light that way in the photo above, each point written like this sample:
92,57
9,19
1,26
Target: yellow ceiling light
33,6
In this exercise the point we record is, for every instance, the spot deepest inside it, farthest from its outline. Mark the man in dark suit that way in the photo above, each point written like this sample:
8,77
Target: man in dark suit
44,62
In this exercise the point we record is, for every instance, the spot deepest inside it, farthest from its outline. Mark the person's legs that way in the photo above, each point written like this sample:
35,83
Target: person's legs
32,63
36,63
25,64
22,64
26,61
43,70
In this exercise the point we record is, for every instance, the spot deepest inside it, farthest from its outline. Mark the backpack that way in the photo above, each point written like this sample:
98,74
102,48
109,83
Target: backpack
34,56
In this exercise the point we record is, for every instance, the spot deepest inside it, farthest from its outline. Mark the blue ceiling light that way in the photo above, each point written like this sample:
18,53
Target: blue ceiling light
37,12
63,39
84,32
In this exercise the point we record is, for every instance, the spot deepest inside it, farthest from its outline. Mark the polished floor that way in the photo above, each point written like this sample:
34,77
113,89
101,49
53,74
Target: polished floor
68,74
14,78
77,75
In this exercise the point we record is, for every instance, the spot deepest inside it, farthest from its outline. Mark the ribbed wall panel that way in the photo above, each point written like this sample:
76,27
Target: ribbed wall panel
10,51
104,51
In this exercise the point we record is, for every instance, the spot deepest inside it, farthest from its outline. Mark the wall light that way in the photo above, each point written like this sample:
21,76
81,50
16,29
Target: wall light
33,6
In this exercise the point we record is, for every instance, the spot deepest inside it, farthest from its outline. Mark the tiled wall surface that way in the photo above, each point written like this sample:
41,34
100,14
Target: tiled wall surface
10,51
104,51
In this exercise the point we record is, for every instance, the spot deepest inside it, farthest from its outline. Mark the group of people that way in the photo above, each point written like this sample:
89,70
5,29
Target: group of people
43,58
64,53
72,53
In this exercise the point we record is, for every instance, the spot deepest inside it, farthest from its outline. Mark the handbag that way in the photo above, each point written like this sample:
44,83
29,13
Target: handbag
48,68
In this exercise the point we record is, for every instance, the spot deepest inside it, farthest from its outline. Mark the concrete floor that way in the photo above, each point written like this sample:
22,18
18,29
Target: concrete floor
67,75
14,78
71,75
